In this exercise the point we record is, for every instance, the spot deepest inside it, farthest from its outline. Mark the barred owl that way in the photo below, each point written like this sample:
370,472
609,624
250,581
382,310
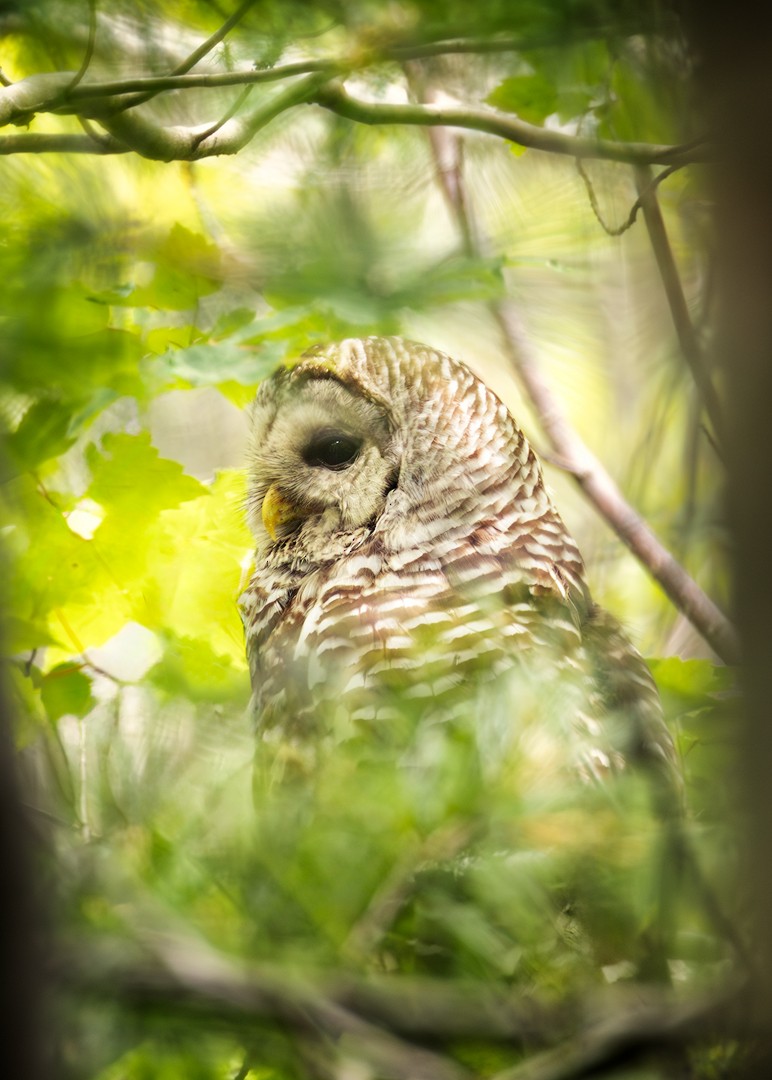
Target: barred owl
409,559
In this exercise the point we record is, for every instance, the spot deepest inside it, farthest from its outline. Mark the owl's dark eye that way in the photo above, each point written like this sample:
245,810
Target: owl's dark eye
332,450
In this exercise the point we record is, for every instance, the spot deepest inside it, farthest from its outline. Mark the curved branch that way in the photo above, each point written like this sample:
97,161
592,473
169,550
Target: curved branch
89,53
337,100
175,143
111,103
632,217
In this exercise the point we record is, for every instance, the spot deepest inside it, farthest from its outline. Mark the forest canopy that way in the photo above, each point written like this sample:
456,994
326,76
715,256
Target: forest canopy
193,193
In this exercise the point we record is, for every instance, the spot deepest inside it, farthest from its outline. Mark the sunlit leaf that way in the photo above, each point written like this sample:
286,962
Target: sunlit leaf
66,690
532,97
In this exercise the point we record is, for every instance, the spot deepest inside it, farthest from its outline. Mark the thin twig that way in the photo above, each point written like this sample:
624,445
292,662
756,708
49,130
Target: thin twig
671,280
202,80
441,845
103,141
87,57
231,112
214,39
618,230
198,54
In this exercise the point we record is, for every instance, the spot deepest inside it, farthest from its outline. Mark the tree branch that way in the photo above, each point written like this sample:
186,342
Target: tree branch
175,143
185,976
214,39
388,1021
55,92
624,1037
201,80
89,53
632,217
198,54
32,143
336,99
606,497
575,456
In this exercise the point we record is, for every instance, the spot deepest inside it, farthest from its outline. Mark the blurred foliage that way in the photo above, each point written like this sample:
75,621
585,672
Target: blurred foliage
125,280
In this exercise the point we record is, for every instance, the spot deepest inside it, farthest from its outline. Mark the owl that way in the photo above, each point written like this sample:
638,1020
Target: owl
411,567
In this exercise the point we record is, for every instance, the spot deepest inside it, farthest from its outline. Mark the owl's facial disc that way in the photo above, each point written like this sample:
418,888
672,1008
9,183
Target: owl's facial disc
326,449
323,455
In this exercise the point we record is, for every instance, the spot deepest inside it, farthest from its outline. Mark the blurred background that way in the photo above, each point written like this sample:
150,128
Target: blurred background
143,301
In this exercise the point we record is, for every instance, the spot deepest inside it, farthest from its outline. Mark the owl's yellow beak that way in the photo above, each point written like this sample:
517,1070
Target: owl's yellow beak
277,511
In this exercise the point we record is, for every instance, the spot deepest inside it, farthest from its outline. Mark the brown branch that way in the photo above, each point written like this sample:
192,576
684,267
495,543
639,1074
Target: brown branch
671,280
574,455
606,497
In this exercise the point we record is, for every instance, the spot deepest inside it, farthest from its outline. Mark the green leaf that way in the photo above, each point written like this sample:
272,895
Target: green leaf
689,684
43,433
232,321
208,532
24,635
187,267
191,669
532,97
210,365
66,691
171,337
133,483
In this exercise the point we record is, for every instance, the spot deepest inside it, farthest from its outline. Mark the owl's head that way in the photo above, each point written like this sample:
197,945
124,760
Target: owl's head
319,447
367,433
